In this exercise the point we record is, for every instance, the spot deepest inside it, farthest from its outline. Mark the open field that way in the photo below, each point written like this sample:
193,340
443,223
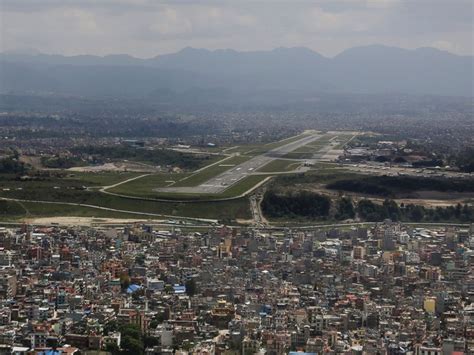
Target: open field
145,185
414,190
102,178
102,205
32,210
144,188
279,165
257,149
118,166
327,148
207,173
71,191
328,145
215,191
343,139
219,183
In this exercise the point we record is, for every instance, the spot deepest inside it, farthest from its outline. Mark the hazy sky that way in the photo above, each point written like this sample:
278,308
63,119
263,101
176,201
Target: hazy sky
145,28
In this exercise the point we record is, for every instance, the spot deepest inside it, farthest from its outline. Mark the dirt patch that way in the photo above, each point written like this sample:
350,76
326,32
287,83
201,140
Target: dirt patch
35,162
245,221
117,166
85,221
438,195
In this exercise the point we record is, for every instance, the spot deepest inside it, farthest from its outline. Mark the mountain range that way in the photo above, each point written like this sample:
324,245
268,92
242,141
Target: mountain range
300,71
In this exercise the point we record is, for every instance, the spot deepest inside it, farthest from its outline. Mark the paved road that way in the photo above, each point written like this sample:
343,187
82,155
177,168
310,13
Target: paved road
222,181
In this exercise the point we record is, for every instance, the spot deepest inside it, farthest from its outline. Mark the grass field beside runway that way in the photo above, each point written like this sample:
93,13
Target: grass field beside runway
211,171
146,188
101,178
236,208
279,165
258,149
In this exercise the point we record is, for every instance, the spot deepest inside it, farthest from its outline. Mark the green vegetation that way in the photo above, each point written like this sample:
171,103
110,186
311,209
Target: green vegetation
71,191
101,178
247,149
190,287
243,185
220,210
273,145
307,206
11,165
344,209
258,149
343,140
146,190
64,189
371,212
299,155
144,186
465,160
59,162
134,341
279,165
307,151
317,176
10,208
211,171
393,185
387,186
165,157
297,204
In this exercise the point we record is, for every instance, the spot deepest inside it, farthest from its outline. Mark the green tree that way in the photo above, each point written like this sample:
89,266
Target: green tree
369,211
140,259
391,210
132,345
132,339
112,348
190,287
345,208
416,213
149,341
124,281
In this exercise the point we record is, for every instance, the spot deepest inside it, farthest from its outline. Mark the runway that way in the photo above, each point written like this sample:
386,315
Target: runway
228,178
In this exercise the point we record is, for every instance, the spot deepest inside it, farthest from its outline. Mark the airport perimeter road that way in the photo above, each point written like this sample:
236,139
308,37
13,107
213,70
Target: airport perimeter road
222,181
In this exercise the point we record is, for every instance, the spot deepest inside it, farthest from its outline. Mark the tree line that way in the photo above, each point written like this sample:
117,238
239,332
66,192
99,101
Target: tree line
311,205
12,165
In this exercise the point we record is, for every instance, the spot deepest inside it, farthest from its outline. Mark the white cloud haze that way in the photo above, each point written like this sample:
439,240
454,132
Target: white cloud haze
145,28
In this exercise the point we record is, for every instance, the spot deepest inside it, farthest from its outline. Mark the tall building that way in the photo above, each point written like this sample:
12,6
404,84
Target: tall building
388,241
